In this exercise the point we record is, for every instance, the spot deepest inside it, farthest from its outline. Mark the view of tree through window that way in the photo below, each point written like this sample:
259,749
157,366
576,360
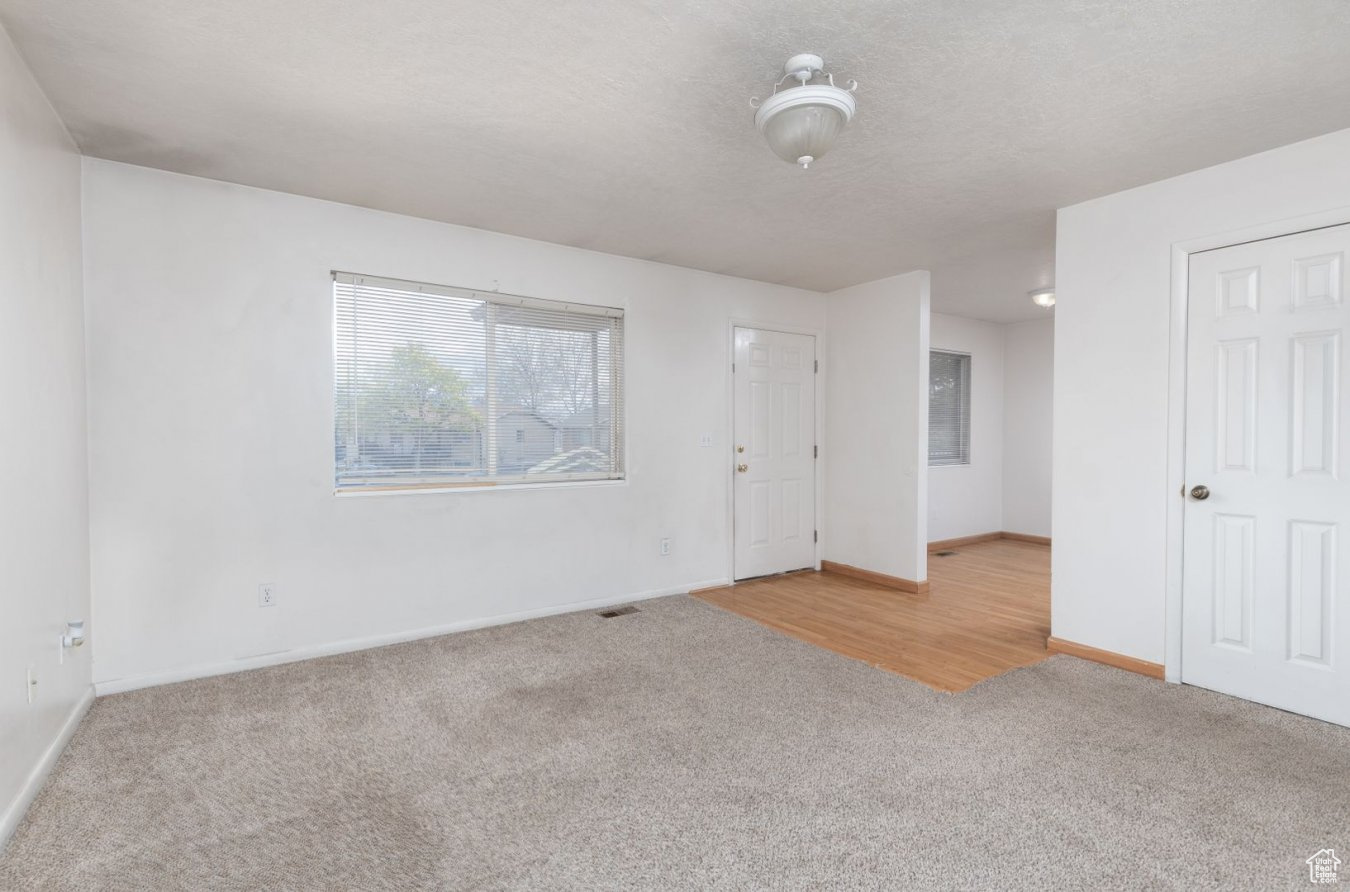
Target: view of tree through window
438,385
948,408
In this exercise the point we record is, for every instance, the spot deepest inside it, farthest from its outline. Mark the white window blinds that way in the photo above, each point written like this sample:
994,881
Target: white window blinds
438,386
948,408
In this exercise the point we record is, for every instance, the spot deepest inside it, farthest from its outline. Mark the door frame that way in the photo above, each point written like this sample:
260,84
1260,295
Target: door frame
819,336
1176,402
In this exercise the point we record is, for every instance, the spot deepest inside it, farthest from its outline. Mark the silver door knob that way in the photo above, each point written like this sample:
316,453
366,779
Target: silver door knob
742,468
1200,492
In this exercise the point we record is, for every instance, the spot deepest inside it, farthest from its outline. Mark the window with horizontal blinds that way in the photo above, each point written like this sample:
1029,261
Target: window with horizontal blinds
438,386
948,408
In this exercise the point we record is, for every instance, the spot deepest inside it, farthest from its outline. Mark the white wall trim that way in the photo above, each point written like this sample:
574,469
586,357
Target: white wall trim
17,808
1176,462
819,336
1176,403
309,652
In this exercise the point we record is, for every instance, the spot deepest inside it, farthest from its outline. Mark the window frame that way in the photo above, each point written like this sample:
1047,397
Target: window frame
406,486
965,452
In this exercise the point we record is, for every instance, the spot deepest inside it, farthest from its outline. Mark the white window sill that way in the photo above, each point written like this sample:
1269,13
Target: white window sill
375,492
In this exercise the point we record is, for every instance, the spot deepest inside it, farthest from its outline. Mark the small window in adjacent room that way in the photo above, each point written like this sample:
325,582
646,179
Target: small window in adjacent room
444,387
948,408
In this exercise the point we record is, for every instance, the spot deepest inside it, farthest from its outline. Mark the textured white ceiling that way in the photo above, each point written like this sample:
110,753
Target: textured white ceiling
623,125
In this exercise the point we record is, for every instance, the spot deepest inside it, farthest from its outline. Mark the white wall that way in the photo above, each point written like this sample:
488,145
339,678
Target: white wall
211,444
44,560
1028,413
967,500
876,457
1113,282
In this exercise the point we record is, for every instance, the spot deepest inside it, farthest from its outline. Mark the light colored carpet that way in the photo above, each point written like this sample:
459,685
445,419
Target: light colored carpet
678,747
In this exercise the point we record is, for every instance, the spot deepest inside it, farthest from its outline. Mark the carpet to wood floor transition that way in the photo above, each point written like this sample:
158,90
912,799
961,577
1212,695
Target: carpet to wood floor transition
678,747
987,611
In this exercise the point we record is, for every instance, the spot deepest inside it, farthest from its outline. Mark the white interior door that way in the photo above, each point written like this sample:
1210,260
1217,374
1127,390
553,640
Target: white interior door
774,452
1265,601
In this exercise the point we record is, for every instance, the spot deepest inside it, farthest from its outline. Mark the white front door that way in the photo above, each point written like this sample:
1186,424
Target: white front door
1266,585
774,452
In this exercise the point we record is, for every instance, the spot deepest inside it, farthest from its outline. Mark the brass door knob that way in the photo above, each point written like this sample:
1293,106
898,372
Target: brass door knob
740,448
1200,493
742,468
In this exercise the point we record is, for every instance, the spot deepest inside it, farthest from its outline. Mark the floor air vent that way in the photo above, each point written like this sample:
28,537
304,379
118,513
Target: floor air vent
943,553
618,611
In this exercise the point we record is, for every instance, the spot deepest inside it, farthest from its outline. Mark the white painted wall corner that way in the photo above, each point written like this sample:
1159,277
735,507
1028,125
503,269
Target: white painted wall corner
32,785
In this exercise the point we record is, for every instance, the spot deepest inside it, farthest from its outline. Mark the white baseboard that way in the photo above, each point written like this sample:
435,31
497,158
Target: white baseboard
309,652
16,809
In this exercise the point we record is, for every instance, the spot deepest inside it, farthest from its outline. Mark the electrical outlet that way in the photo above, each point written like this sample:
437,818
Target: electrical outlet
665,547
705,440
30,682
267,594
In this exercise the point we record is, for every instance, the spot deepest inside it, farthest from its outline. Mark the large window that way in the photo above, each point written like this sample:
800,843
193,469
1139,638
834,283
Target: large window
438,386
948,408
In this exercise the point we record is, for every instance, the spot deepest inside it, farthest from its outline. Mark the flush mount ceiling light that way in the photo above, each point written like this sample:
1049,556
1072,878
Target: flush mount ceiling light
1043,297
800,122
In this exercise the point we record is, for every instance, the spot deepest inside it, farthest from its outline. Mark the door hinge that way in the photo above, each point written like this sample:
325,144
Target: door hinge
815,452
815,535
733,368
817,366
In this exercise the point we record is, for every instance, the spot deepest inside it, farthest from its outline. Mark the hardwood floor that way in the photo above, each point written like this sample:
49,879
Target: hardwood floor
987,611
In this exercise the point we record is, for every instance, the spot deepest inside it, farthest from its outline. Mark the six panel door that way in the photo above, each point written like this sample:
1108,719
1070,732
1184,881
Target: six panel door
1265,605
774,452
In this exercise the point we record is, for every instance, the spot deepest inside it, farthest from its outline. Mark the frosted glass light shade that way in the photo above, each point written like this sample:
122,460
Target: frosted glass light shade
805,131
801,123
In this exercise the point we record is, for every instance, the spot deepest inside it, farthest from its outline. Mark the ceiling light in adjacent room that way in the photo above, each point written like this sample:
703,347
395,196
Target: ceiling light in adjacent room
1043,297
800,122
